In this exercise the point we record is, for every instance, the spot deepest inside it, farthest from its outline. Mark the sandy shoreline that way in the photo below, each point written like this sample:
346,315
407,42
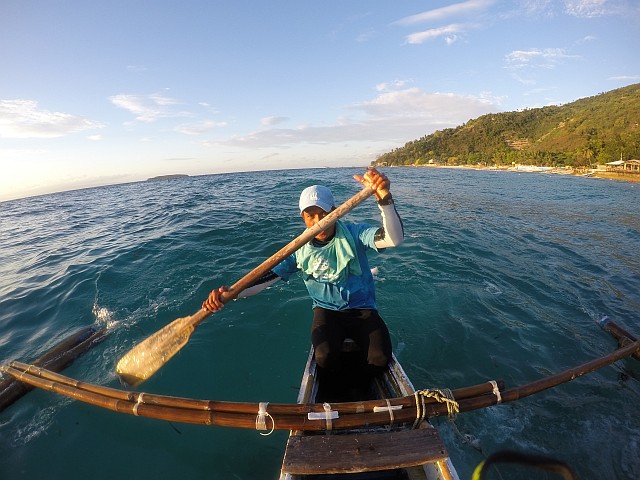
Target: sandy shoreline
591,173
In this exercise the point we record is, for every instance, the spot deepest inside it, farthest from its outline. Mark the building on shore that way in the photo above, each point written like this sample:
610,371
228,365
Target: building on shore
623,166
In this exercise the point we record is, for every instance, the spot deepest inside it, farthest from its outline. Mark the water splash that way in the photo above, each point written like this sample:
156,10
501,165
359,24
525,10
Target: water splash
492,288
104,317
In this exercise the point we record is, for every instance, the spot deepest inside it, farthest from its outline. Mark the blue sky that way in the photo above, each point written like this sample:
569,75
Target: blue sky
95,93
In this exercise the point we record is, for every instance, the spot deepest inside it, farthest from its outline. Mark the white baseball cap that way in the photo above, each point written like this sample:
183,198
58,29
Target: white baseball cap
317,196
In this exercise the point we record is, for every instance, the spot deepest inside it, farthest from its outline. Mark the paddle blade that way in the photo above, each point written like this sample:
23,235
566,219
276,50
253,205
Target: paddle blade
150,355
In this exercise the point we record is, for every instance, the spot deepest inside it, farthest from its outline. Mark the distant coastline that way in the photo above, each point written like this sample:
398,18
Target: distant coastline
167,177
579,172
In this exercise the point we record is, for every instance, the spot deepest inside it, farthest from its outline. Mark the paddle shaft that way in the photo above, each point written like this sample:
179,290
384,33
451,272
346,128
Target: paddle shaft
275,259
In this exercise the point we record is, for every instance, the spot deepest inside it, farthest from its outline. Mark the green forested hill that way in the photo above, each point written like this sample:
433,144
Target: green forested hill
592,130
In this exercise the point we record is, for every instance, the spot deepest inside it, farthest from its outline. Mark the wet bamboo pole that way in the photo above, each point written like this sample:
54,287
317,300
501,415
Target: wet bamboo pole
279,421
624,338
551,381
300,421
233,407
56,359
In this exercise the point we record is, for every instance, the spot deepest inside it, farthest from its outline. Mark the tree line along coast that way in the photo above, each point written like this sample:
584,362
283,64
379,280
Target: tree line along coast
595,136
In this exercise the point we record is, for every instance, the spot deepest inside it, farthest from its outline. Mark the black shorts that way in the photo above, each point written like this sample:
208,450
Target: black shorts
367,329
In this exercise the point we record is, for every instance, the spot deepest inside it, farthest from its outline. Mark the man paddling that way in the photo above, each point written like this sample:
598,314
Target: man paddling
336,272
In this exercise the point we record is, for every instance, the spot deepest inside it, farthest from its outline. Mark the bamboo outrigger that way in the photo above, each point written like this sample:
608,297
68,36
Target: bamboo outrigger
56,359
405,416
243,414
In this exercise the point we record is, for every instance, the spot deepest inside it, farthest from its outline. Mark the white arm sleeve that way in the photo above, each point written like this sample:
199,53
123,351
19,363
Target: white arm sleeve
258,287
392,227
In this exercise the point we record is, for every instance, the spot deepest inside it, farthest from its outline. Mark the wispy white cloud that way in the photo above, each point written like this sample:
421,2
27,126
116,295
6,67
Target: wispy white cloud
24,119
453,21
586,39
416,103
574,8
537,92
588,8
199,128
393,85
449,32
531,8
524,65
365,36
443,13
391,117
147,108
601,8
626,78
535,57
525,80
470,11
271,121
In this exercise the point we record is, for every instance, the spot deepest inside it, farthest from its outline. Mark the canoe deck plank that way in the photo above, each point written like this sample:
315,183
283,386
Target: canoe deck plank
362,452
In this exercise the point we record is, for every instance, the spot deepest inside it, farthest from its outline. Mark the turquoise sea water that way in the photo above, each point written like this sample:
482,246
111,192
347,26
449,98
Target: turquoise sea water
502,275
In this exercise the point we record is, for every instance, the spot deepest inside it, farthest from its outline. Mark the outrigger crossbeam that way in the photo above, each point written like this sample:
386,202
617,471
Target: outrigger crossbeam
297,416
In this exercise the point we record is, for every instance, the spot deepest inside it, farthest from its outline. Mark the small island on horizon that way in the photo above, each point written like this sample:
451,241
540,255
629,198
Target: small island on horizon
167,177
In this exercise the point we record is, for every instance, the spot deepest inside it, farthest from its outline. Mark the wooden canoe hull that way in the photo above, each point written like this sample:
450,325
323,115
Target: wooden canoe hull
377,452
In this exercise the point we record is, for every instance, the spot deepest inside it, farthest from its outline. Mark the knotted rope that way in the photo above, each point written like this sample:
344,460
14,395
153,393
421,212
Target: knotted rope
443,395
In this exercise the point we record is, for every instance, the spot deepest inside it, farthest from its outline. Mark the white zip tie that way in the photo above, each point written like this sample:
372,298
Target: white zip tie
389,408
261,423
327,412
333,414
327,415
496,391
135,407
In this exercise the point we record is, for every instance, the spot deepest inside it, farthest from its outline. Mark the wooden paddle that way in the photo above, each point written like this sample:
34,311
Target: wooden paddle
148,356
